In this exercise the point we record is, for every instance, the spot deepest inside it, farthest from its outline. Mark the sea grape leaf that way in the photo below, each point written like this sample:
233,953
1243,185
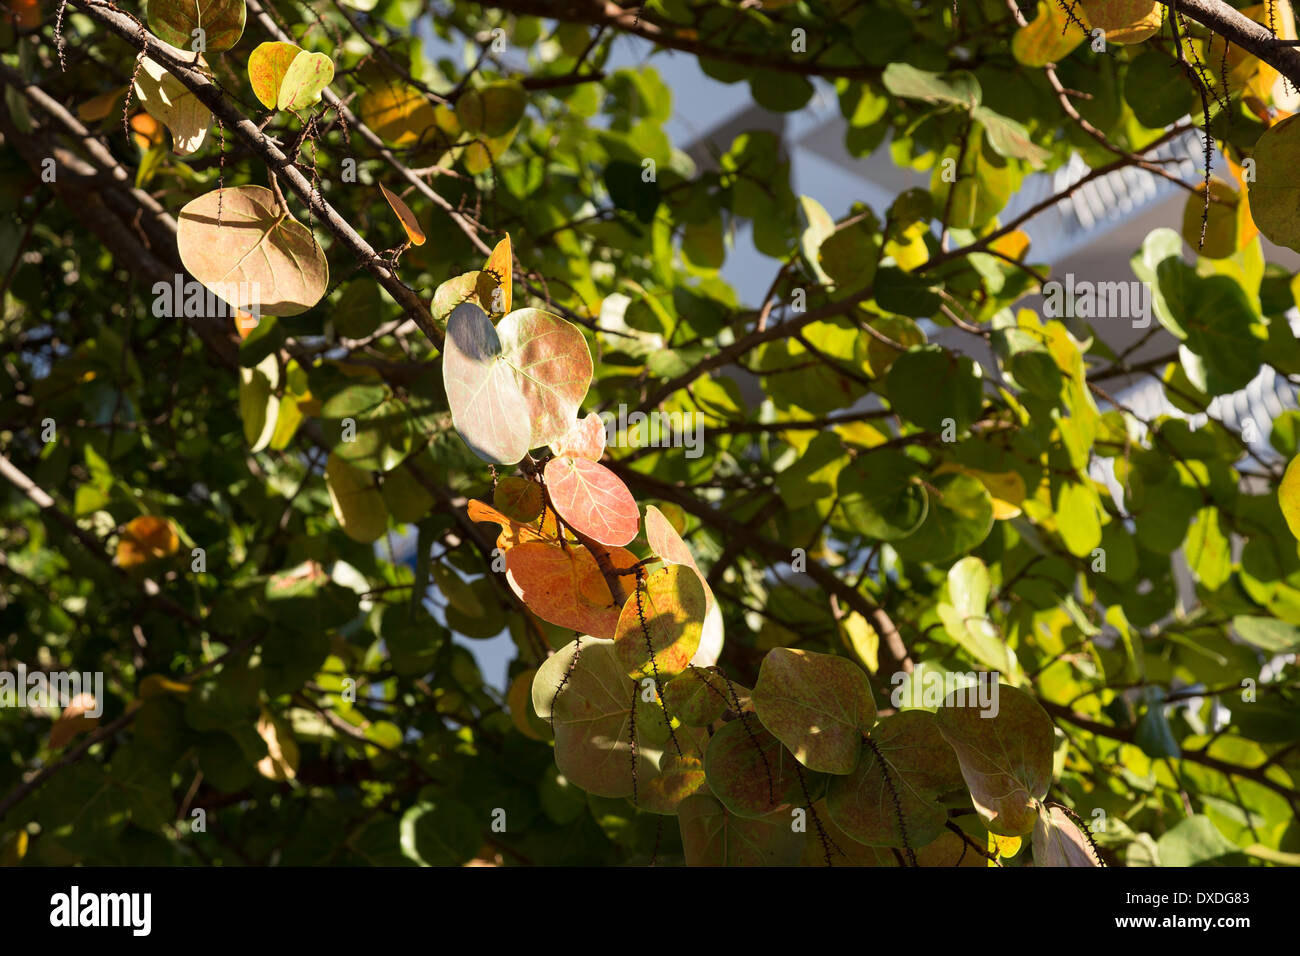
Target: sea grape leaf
258,404
397,113
697,697
881,495
515,532
267,65
1048,38
304,81
518,498
584,439
893,799
589,703
493,110
671,604
500,266
1275,194
958,519
667,544
171,103
957,89
257,258
563,585
409,223
554,367
592,499
174,22
1125,21
680,775
818,705
1288,496
476,287
1005,759
356,501
144,539
487,404
750,771
711,836
1059,842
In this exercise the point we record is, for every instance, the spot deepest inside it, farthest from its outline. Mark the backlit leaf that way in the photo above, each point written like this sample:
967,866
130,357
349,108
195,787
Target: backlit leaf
257,258
1058,842
356,501
671,604
589,703
592,499
171,103
174,21
408,220
146,538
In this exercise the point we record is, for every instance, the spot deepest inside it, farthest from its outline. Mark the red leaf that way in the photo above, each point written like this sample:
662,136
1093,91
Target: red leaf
592,499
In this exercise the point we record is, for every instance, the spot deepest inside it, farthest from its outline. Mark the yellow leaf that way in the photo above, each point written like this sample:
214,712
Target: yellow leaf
281,760
1007,489
74,720
155,685
1288,496
1049,38
1013,245
1125,21
145,539
398,113
1003,846
499,265
409,222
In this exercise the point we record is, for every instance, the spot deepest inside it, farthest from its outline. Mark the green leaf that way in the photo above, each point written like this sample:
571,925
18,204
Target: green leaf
958,519
174,22
936,389
892,797
1006,759
818,705
585,692
960,88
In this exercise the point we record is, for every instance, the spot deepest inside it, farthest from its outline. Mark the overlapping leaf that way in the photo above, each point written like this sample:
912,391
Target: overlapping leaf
659,626
818,705
589,702
1005,759
892,799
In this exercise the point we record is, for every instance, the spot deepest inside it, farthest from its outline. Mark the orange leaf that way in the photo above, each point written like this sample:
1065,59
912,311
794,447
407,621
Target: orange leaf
409,222
148,131
515,532
145,539
98,107
559,584
499,265
73,720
